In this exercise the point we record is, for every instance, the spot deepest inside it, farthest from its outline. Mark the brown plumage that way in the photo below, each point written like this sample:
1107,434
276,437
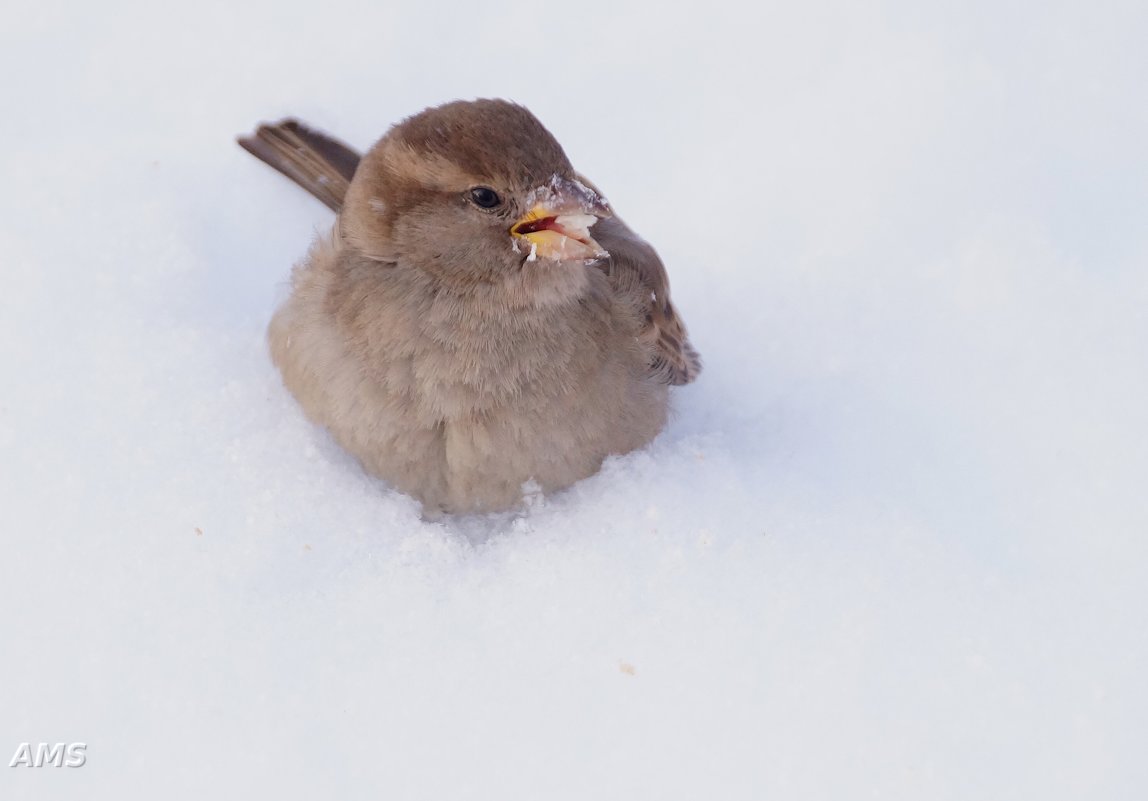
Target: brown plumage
461,330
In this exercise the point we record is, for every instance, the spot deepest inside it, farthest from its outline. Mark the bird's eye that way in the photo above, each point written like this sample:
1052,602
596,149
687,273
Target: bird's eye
485,197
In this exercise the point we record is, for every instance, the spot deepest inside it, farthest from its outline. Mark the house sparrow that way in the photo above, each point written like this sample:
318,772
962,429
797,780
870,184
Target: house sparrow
477,318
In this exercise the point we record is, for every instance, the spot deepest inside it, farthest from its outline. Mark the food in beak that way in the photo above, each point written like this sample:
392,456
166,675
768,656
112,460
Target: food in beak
558,226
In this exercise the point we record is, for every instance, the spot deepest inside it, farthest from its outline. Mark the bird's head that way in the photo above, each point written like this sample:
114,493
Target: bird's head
477,193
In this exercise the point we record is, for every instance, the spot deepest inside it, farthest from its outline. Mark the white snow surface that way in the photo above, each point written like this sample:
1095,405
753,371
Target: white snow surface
892,544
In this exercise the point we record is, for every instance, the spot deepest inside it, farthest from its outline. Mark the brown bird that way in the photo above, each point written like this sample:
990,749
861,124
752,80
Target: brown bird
460,330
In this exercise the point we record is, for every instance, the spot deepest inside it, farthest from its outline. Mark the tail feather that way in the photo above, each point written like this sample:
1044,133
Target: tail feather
319,163
339,155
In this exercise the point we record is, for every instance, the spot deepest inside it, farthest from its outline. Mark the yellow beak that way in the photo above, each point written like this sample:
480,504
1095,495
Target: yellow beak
558,224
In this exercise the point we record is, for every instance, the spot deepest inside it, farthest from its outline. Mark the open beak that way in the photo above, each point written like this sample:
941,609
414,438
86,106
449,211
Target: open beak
558,224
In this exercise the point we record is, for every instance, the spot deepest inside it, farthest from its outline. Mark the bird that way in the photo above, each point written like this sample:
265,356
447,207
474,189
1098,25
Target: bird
478,324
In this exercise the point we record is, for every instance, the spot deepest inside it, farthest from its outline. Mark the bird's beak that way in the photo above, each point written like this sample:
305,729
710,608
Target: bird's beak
558,224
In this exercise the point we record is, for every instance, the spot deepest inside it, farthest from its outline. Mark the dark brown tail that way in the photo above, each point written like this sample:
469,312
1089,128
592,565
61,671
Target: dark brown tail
317,162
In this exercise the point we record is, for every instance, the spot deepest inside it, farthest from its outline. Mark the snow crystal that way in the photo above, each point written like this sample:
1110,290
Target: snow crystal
578,224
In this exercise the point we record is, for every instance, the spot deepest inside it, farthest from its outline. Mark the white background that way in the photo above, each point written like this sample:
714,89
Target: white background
892,545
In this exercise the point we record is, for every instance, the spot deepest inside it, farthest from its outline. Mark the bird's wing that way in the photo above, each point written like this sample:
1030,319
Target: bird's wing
638,276
319,163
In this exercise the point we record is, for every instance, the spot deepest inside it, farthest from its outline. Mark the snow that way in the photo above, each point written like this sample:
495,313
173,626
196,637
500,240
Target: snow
892,544
578,224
